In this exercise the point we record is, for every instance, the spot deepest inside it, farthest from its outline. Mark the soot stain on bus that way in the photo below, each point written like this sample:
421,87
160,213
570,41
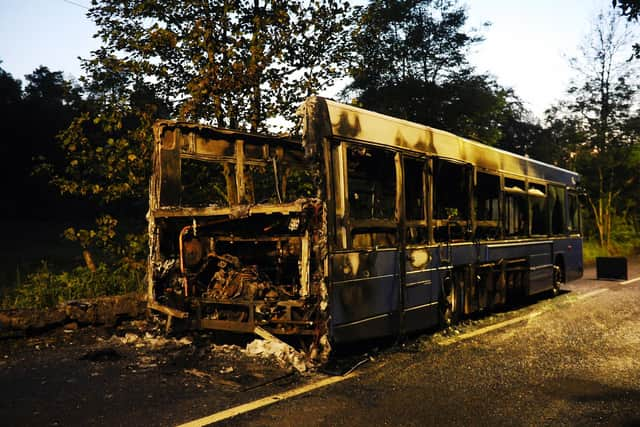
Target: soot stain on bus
366,226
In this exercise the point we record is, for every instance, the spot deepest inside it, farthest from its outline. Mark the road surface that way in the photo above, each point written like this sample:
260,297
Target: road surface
569,360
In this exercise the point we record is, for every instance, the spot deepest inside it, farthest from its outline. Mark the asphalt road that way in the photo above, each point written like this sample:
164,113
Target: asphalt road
569,360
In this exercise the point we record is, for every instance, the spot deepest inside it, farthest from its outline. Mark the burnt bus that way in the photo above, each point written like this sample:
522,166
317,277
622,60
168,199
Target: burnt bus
365,226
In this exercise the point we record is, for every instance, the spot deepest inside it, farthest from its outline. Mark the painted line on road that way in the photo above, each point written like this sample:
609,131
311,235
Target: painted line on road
628,282
506,323
489,328
592,293
275,398
266,401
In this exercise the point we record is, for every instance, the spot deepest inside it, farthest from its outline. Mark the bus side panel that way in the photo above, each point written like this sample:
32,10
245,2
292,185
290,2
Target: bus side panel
508,250
540,272
570,249
364,295
421,298
538,256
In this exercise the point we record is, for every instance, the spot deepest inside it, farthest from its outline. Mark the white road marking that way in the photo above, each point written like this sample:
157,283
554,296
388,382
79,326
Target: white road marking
628,282
275,398
269,400
489,328
592,293
505,323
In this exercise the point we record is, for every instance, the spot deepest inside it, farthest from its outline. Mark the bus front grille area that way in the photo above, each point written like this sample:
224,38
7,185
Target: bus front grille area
239,273
236,234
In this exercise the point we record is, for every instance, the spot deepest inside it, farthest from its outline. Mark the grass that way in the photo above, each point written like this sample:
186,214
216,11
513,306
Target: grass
38,268
25,243
591,250
46,288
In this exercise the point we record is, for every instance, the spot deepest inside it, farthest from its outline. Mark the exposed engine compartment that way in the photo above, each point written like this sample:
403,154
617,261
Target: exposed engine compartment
238,273
237,232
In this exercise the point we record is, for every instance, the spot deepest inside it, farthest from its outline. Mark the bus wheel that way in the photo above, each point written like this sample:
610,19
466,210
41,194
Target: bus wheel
557,279
450,301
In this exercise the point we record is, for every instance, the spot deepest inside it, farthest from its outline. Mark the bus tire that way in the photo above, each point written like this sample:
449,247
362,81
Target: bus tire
558,278
450,300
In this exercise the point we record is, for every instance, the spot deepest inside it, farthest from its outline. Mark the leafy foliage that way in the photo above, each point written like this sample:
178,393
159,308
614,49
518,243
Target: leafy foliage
600,128
47,288
108,154
410,62
630,9
233,63
406,40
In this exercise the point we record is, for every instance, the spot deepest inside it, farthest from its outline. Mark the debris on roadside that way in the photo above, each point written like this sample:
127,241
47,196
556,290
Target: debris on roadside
284,354
151,341
71,314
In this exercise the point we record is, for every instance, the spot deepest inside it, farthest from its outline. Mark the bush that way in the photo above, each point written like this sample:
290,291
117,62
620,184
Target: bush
591,250
46,288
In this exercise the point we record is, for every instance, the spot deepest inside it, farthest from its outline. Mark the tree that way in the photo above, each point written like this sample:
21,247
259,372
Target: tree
410,61
233,63
630,9
10,90
603,107
230,63
405,40
31,119
10,107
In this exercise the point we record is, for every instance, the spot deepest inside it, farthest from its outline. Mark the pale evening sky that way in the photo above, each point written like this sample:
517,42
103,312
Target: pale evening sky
526,47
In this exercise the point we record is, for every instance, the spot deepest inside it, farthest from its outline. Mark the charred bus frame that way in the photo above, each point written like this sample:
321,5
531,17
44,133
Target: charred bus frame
366,226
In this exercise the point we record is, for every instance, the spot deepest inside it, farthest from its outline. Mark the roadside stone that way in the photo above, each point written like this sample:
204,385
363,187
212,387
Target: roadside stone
30,319
97,311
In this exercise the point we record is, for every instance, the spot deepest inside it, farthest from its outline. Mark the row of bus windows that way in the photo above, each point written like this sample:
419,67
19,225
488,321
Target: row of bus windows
512,209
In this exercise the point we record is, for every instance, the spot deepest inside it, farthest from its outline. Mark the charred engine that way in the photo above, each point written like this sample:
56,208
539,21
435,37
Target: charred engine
238,273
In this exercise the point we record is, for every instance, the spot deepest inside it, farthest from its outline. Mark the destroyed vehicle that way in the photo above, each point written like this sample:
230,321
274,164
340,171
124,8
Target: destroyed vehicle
365,226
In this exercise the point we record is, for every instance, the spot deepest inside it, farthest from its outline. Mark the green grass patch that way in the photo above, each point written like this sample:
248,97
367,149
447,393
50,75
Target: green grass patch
591,249
47,288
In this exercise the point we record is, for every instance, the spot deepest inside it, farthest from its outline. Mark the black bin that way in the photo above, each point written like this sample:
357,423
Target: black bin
611,268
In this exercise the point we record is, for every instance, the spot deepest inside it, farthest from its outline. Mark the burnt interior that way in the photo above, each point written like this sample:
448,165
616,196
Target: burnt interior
237,230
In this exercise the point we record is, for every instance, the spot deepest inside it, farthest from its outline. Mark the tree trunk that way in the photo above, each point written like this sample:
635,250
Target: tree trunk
88,260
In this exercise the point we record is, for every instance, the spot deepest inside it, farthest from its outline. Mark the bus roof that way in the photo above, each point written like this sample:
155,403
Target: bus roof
352,123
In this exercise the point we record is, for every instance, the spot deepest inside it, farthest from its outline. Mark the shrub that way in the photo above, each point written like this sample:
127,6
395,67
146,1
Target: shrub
46,288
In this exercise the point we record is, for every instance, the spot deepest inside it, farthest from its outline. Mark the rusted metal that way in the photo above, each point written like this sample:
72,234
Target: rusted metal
252,260
365,226
167,310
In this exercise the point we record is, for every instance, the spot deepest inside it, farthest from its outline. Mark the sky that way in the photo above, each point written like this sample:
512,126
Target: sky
526,47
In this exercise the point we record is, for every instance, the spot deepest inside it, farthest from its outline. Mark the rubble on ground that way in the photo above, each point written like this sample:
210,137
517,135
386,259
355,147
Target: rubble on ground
96,311
283,353
151,341
142,335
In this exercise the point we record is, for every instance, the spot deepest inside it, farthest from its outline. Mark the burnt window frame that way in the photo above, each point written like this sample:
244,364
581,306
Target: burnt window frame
457,228
194,167
368,233
417,230
574,195
243,161
492,228
563,212
534,198
509,193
